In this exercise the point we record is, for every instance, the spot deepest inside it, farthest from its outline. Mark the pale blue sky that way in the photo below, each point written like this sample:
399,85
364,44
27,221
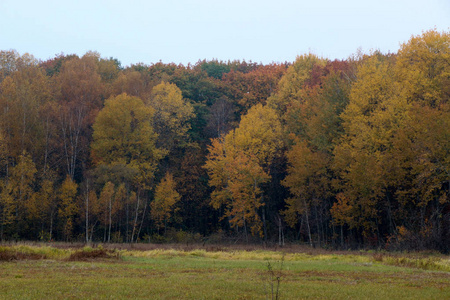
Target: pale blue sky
185,31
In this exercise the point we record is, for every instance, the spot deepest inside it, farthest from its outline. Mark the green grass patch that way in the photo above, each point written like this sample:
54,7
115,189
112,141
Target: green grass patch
201,274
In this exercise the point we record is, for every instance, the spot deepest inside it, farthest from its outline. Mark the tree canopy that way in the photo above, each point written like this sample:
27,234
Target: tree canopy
345,153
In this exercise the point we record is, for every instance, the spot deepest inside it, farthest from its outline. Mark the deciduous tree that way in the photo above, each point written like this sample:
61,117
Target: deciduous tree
68,208
166,197
237,167
81,93
123,135
171,115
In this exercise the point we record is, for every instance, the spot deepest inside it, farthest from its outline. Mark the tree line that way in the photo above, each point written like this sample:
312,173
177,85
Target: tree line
344,153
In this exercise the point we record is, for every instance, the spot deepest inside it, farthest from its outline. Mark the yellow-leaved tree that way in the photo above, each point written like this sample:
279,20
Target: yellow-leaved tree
21,187
307,180
124,147
290,86
423,68
239,164
420,155
374,114
166,197
315,92
393,159
42,209
68,206
172,115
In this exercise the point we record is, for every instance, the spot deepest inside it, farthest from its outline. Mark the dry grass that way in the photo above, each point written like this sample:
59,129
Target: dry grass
197,272
82,252
10,255
89,254
432,262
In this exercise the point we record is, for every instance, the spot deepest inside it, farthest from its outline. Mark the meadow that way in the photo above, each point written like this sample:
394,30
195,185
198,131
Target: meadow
175,272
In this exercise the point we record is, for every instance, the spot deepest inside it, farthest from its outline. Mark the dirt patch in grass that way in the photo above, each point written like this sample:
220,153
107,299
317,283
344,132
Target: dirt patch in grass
7,256
93,254
16,255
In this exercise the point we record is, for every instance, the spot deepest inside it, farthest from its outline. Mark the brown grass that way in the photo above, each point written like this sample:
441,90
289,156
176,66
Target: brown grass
378,257
16,255
93,254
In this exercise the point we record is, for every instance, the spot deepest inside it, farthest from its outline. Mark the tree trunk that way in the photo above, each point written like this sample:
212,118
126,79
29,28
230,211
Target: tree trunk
127,239
245,231
51,225
307,223
110,221
319,232
392,226
92,230
264,224
280,233
142,220
87,211
300,229
135,218
1,228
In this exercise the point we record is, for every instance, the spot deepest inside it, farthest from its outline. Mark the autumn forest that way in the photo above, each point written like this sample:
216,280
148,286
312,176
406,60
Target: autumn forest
339,154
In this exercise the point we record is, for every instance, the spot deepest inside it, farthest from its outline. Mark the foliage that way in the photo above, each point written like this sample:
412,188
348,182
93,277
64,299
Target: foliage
166,197
171,115
237,166
68,209
346,153
124,135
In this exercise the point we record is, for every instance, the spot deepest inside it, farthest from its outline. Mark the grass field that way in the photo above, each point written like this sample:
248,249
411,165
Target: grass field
41,272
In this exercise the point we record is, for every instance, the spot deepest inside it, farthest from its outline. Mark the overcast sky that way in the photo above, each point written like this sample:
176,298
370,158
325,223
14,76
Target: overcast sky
185,31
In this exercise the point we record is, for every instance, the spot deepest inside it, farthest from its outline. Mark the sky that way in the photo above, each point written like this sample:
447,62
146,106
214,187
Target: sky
138,31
